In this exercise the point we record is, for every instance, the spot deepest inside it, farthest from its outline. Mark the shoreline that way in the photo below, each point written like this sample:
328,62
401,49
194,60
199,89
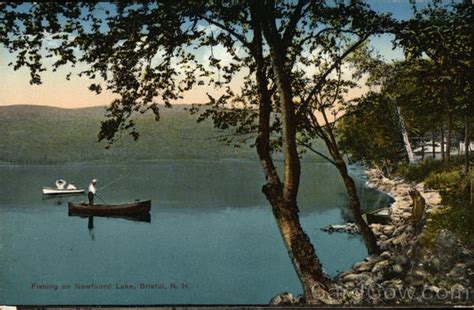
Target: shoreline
407,271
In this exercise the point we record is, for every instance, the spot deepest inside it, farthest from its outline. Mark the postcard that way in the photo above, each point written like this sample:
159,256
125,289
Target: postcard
252,153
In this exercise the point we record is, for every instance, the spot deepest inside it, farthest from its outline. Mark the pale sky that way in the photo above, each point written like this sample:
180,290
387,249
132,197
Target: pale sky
57,91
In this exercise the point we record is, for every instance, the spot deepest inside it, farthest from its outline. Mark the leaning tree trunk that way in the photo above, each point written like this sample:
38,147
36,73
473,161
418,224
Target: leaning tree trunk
367,233
406,141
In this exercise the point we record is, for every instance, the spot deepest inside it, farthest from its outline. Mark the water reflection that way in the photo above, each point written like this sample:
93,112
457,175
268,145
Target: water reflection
140,217
90,226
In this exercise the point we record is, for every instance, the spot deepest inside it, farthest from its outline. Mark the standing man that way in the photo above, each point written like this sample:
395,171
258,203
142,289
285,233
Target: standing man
92,192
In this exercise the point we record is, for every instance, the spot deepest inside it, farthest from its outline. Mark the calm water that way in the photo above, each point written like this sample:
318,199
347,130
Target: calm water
212,238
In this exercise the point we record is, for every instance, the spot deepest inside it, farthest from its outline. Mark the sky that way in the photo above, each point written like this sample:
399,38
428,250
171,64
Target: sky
57,91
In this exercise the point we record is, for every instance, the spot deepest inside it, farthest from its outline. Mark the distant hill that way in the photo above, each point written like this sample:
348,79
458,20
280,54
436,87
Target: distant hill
40,134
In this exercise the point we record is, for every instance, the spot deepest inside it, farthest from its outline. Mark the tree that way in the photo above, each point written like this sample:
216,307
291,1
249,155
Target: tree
444,35
148,52
370,133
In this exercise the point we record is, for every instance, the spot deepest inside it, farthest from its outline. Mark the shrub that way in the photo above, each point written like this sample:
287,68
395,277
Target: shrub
454,187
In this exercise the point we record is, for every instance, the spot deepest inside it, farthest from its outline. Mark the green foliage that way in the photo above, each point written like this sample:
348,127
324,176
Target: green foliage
459,220
370,131
455,191
455,188
420,171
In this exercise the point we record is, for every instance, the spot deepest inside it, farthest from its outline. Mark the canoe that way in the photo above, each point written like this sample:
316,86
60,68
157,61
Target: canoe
379,216
56,191
136,207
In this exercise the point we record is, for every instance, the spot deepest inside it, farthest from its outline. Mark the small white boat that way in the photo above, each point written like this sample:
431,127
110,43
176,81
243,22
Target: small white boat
56,191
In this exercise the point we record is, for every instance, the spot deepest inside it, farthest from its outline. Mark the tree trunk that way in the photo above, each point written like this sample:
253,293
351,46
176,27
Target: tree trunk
423,147
450,130
298,245
367,233
406,141
466,144
443,153
433,144
284,207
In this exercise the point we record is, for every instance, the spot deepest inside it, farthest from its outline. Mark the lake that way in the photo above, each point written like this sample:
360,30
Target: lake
212,238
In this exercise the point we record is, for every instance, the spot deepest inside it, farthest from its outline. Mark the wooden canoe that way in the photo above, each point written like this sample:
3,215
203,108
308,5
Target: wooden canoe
379,216
136,207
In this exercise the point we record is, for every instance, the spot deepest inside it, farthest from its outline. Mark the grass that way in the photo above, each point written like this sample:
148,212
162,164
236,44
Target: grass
455,189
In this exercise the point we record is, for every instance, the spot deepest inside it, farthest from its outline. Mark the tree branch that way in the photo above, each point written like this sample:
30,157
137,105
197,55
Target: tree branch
294,19
231,31
332,67
309,147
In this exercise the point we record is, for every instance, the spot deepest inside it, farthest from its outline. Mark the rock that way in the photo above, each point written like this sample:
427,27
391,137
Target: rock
323,296
445,240
376,227
349,284
284,298
432,288
401,260
385,255
299,300
393,283
447,249
388,229
399,240
434,263
432,198
356,277
362,266
420,274
458,271
397,268
406,215
465,253
343,274
350,228
380,266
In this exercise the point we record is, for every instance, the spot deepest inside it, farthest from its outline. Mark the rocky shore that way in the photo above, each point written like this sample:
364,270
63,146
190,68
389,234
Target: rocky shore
408,271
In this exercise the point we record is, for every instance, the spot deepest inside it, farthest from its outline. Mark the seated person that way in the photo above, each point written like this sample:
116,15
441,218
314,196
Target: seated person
71,186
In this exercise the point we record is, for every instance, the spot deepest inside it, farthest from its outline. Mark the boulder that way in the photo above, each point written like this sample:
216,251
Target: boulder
397,268
282,299
385,255
400,240
356,277
363,266
401,260
458,271
380,266
388,229
447,248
